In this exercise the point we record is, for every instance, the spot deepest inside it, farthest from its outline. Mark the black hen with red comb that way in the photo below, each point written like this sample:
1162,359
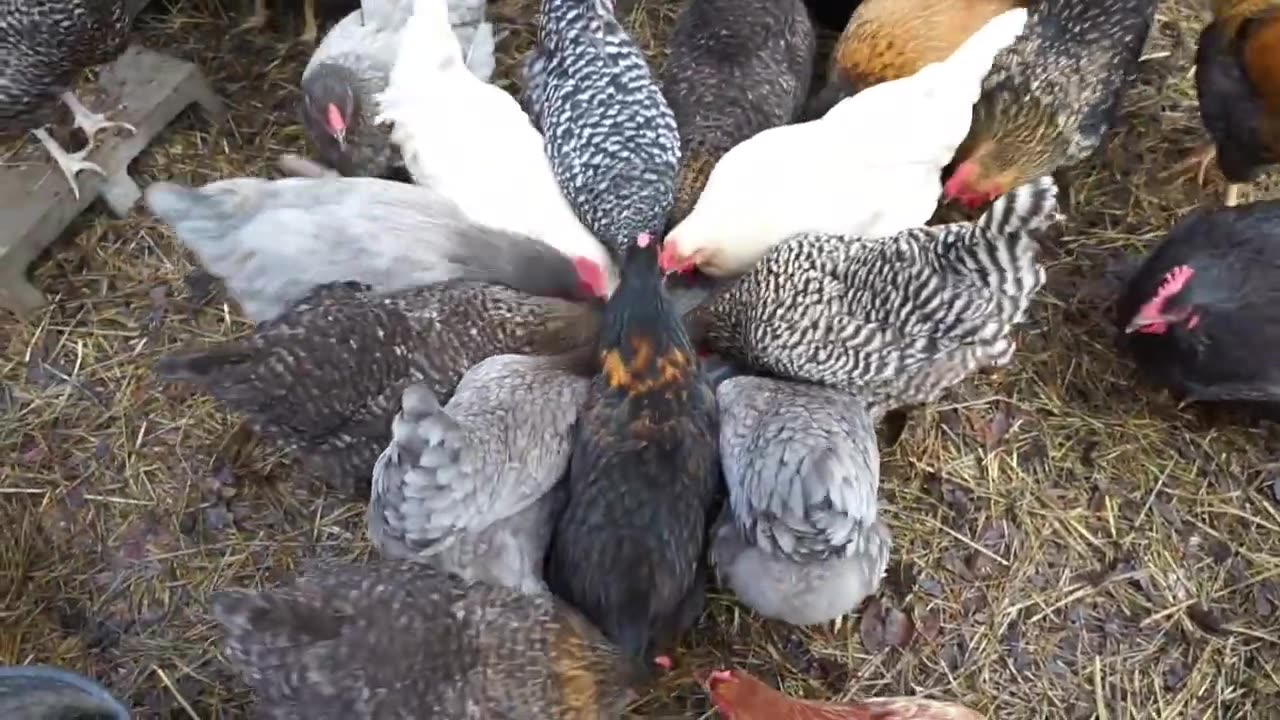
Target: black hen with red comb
1199,315
644,481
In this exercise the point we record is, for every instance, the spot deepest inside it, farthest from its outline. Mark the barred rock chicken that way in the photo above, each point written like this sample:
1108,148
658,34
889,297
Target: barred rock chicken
324,379
473,143
41,692
738,695
44,46
1199,315
735,67
611,138
799,541
891,39
1238,81
893,321
340,86
644,478
273,241
475,486
404,640
1051,96
841,174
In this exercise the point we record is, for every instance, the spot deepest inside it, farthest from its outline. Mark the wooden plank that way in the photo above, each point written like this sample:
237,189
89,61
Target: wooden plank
37,204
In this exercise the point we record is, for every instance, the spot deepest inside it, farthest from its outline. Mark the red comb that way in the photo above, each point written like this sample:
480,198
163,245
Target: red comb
663,662
644,239
720,676
591,275
1173,282
336,122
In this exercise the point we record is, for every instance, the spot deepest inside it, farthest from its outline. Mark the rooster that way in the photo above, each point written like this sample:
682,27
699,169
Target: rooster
1051,96
738,695
1238,81
44,46
643,481
610,135
890,39
1199,314
893,321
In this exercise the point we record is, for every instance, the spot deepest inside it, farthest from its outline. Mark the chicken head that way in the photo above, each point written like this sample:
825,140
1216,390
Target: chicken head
1169,306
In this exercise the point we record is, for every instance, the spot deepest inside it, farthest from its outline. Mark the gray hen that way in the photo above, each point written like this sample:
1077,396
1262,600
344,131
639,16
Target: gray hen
800,540
340,86
611,138
273,241
405,640
324,379
736,67
44,46
474,487
893,321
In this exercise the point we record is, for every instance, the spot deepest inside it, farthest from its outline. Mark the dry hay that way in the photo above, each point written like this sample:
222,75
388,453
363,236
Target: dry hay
1070,544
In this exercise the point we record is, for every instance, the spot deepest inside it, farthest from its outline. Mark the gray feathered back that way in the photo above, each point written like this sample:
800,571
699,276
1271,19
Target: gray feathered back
895,320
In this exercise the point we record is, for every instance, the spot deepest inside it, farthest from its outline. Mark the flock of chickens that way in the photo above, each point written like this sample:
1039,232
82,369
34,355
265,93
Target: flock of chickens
585,349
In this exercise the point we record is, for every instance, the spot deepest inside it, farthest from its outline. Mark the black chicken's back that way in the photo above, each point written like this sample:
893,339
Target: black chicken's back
628,550
45,43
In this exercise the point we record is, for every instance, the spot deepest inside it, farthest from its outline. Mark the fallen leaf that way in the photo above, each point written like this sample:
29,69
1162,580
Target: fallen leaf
1207,620
899,628
930,625
1001,423
871,628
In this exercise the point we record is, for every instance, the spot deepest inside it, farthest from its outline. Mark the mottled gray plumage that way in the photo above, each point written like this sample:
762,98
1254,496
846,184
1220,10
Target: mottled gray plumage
324,379
736,67
609,133
273,241
893,321
800,540
45,45
405,640
474,487
349,69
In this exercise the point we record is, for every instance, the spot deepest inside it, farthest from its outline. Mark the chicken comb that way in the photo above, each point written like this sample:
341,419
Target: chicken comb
1173,282
592,276
336,121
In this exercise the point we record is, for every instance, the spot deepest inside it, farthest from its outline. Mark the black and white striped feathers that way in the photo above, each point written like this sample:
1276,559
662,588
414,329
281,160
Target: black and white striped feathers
44,45
611,137
895,320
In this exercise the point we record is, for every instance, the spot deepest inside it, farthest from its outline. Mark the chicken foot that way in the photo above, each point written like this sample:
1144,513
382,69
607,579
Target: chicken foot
91,123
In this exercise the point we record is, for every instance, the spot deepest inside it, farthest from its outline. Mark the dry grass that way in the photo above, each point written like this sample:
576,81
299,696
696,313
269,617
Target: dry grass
1069,543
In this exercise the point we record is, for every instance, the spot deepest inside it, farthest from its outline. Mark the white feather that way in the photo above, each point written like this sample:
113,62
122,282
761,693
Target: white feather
472,142
870,167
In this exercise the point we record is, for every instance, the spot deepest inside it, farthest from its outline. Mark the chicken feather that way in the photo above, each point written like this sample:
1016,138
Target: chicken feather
800,541
894,320
473,486
273,241
473,143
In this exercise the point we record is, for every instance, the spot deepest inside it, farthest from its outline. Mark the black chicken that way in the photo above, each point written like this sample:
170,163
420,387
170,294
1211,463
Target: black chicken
1199,314
44,46
628,549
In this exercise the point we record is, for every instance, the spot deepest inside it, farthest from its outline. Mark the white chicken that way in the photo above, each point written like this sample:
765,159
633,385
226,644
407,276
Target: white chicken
870,167
473,143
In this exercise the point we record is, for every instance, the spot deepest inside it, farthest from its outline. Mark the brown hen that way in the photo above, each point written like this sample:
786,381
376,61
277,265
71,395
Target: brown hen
1238,82
738,695
890,39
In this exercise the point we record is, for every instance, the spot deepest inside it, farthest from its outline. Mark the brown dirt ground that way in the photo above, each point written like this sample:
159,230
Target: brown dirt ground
1070,544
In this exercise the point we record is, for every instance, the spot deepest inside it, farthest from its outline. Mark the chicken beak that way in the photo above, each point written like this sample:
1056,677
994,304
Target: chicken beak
1143,321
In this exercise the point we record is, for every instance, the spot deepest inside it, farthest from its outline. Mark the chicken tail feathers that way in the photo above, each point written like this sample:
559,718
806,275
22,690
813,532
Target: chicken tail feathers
1029,207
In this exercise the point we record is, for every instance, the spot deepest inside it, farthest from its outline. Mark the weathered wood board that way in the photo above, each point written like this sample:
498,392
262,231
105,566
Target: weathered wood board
37,204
